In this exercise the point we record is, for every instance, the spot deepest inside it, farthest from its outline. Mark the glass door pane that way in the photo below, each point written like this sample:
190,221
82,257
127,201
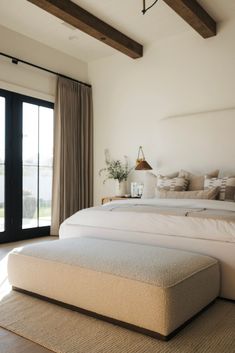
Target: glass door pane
26,155
2,164
45,165
37,165
30,162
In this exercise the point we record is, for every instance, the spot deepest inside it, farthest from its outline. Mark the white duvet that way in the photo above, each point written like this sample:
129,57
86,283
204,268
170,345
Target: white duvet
203,219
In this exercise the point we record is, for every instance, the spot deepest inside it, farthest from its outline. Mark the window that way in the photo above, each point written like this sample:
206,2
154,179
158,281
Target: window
37,165
26,155
2,163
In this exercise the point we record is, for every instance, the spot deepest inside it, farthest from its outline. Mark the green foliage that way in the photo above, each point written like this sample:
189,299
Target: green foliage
2,168
115,169
29,205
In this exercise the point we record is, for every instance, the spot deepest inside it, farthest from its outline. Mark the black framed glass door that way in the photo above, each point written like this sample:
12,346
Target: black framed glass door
26,154
2,162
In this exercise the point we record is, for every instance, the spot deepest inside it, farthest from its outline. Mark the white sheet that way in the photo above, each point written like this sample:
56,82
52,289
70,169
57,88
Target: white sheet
186,203
142,216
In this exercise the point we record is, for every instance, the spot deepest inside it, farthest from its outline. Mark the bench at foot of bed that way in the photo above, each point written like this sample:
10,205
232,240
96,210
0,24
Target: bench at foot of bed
149,289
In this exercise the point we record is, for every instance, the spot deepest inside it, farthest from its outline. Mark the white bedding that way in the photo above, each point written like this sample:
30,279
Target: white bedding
201,226
203,219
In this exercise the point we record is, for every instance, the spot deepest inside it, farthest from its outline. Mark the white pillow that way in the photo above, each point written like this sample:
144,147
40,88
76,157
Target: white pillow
150,183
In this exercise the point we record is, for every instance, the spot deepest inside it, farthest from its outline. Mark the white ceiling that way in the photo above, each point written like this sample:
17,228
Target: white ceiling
125,15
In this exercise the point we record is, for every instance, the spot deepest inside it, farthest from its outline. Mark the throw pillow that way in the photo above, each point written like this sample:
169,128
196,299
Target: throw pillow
196,182
210,194
171,184
150,182
226,187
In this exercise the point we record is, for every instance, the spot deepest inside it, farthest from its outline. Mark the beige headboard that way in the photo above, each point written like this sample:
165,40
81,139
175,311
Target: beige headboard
197,142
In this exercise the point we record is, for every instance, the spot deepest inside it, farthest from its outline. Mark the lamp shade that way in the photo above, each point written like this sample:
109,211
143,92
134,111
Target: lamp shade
143,165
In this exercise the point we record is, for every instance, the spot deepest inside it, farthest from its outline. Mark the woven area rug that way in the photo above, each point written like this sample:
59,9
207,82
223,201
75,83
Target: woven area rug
65,331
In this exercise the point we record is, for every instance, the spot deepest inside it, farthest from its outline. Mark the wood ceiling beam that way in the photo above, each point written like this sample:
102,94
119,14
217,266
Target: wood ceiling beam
76,16
195,16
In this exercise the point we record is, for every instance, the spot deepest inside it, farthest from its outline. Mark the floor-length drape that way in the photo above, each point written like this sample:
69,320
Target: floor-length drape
73,151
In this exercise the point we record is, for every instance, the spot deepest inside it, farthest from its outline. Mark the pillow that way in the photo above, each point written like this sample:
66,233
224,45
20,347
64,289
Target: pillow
196,182
209,194
150,182
226,186
171,184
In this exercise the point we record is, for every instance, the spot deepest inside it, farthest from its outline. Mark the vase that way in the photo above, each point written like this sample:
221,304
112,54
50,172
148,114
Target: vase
120,188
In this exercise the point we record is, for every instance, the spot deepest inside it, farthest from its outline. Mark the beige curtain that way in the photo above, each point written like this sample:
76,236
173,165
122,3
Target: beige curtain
73,151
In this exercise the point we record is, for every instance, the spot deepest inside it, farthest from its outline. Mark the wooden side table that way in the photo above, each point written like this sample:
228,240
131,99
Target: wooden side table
114,198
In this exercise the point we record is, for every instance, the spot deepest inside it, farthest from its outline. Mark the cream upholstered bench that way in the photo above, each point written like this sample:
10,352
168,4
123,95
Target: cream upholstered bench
149,289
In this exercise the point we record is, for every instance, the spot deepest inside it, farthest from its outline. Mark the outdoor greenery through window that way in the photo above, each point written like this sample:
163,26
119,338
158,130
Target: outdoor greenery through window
37,165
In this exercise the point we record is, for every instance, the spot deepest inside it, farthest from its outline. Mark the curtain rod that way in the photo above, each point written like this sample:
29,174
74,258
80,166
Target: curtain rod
16,61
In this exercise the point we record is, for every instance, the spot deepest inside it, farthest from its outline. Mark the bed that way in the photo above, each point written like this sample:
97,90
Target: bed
200,226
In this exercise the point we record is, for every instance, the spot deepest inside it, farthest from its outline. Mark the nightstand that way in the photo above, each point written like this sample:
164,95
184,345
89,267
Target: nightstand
115,198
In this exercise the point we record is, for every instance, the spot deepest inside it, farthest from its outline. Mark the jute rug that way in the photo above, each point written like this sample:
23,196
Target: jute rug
65,331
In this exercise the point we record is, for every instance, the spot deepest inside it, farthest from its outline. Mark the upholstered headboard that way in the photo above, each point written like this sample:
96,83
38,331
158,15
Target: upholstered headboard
198,142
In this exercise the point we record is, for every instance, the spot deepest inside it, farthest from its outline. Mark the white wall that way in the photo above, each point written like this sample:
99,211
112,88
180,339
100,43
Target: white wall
30,81
181,75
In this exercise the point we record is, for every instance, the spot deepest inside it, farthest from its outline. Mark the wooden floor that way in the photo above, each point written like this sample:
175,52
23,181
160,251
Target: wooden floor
10,342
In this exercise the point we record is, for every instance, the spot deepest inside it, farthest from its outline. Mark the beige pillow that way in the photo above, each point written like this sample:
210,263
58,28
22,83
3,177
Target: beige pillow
171,184
196,182
226,187
210,194
150,183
